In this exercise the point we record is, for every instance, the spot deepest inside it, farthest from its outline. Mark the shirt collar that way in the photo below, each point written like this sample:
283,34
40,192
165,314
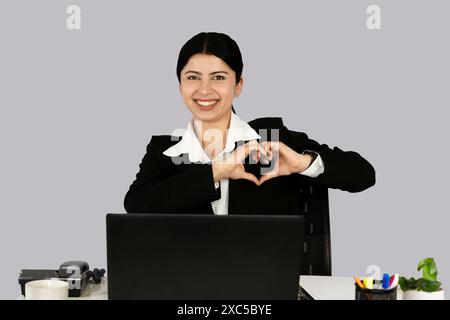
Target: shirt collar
239,130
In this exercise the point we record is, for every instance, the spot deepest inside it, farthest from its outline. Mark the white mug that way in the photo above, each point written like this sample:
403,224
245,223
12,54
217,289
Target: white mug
46,290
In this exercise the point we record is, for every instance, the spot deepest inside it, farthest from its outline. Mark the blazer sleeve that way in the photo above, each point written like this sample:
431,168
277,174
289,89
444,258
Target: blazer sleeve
344,170
156,191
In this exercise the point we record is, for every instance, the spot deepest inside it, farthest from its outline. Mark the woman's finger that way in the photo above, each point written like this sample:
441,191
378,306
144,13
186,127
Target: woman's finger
275,146
251,148
265,150
243,151
254,156
267,176
250,177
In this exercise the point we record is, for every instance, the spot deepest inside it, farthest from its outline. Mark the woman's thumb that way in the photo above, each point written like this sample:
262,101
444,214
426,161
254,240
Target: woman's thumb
250,177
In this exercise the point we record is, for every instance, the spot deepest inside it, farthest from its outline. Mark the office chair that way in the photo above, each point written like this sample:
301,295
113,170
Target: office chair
317,247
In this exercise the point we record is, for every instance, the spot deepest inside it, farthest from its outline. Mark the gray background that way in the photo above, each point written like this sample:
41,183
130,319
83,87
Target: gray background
79,107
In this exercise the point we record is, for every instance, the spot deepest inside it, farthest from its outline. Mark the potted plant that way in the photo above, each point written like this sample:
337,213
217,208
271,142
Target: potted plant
425,288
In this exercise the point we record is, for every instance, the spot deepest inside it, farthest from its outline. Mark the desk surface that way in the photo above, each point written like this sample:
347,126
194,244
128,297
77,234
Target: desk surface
319,287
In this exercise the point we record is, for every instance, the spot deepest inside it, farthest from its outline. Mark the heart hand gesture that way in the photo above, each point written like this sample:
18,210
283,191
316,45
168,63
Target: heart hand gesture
285,161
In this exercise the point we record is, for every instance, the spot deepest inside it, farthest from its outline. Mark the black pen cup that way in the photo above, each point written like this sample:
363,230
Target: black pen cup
375,294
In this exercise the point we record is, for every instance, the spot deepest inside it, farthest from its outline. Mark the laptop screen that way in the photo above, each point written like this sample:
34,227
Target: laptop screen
185,256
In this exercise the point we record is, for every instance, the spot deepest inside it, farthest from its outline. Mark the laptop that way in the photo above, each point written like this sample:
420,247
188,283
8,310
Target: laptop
188,256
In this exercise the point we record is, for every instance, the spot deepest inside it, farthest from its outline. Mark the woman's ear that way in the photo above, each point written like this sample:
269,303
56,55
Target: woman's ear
238,89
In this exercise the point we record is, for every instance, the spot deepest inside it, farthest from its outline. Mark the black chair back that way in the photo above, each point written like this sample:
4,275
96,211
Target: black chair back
317,247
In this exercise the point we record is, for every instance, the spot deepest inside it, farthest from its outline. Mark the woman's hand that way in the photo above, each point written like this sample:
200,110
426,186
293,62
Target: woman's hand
232,167
285,160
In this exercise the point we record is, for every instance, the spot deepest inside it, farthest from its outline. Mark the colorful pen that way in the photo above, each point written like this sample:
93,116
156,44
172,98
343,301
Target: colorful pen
358,282
385,282
368,282
391,279
395,281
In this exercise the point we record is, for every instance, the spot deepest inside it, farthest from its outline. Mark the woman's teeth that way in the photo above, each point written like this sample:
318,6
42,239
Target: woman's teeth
206,103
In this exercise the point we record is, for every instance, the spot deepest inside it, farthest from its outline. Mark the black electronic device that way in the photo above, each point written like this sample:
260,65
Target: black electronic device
76,273
188,256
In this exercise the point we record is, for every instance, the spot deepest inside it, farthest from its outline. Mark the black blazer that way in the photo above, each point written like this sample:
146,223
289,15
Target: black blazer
162,186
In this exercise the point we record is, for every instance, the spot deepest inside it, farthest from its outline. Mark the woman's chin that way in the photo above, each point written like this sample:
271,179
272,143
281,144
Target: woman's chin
214,114
205,117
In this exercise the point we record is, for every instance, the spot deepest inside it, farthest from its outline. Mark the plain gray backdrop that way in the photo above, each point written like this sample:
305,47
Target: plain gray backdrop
78,109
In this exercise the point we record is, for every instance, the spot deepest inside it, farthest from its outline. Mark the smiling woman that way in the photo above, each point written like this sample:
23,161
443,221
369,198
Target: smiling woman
224,165
208,84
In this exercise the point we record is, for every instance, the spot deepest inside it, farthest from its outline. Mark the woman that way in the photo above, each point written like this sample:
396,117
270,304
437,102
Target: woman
222,164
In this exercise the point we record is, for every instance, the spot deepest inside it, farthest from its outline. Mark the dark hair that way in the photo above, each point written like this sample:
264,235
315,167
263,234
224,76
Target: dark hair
217,44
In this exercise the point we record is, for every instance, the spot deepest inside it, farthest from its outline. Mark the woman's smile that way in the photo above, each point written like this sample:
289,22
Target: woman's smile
206,104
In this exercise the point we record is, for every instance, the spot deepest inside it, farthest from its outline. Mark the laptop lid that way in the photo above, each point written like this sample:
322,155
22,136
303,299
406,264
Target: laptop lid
185,256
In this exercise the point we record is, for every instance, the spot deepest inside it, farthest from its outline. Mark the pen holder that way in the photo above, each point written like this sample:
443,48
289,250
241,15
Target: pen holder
375,294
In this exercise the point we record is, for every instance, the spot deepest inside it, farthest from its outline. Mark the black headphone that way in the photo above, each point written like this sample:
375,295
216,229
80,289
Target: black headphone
96,274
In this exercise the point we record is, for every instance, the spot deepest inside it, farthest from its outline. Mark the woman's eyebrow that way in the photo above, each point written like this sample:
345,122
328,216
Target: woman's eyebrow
218,72
196,72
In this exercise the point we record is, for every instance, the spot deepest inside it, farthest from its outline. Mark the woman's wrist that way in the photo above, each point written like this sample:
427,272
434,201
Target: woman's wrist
304,162
219,170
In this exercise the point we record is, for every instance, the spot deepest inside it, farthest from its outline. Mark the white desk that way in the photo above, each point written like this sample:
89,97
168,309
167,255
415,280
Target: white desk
319,287
329,288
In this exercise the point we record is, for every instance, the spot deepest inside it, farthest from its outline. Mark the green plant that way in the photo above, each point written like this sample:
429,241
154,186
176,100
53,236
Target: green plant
427,283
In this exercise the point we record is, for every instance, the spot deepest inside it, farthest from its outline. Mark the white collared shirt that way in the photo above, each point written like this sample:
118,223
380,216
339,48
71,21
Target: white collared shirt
239,130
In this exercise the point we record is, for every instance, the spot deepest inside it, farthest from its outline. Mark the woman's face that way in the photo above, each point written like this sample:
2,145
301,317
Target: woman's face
208,86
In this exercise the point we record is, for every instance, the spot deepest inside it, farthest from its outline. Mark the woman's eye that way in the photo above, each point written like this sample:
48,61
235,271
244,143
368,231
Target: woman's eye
219,78
192,78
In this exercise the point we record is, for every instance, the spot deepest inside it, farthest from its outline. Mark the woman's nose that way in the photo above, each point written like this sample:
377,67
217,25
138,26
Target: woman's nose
205,86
